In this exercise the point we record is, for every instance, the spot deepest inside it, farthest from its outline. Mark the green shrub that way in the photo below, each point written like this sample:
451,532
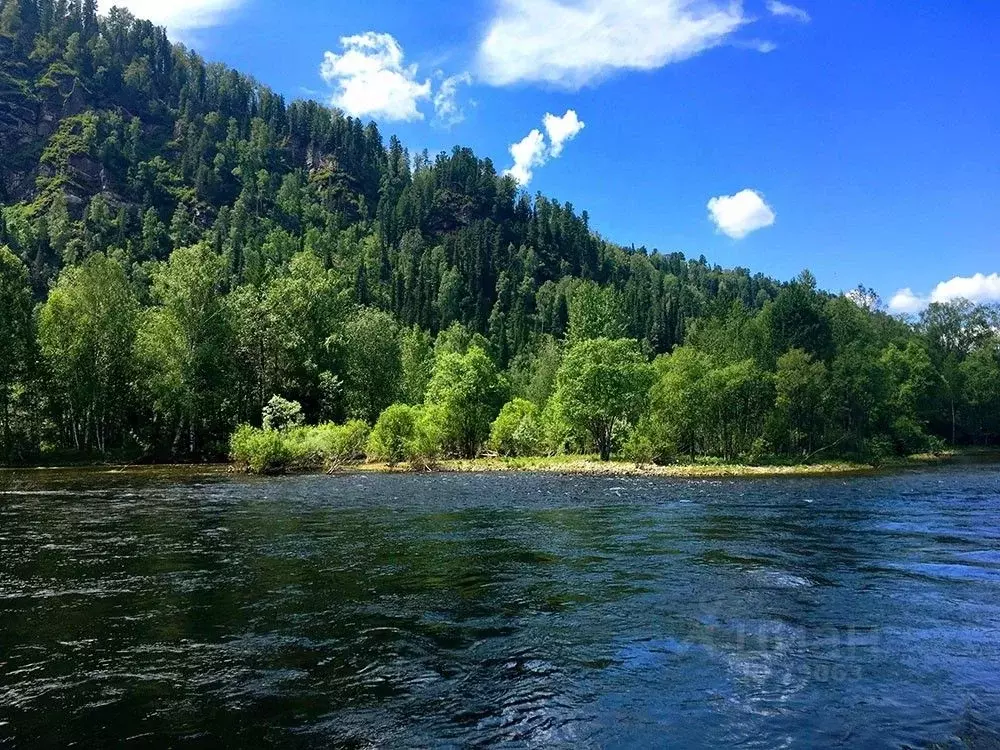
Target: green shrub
393,434
649,442
936,445
558,436
908,437
407,433
340,444
239,443
273,451
877,450
517,431
260,451
427,443
759,450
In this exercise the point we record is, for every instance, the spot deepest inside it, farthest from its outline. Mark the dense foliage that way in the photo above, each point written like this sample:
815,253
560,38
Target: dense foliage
179,245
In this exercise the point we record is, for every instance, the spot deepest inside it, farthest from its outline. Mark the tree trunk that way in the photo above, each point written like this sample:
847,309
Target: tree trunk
6,422
604,442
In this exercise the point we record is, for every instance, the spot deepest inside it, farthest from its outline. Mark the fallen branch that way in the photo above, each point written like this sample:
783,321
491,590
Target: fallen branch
826,447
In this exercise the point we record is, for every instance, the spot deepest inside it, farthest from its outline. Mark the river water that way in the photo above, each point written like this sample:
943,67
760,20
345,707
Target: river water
156,607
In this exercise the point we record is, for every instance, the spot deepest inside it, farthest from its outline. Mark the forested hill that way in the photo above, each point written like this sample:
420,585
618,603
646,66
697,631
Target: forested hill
118,139
193,245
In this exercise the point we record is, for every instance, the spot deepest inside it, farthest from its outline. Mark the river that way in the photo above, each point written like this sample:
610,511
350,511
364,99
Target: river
155,607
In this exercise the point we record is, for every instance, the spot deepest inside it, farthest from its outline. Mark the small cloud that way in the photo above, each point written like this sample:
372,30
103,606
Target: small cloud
534,151
529,152
784,10
574,43
979,288
906,302
764,46
177,15
447,110
738,215
561,129
371,79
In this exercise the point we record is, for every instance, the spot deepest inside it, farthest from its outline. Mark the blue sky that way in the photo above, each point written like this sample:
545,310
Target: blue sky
858,139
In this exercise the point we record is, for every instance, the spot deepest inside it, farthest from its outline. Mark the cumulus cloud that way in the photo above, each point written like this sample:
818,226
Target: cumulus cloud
447,110
561,130
534,150
529,153
371,80
906,302
177,15
738,215
570,43
784,10
979,288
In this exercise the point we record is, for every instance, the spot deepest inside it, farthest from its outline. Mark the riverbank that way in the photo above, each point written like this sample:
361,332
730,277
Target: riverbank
591,466
573,465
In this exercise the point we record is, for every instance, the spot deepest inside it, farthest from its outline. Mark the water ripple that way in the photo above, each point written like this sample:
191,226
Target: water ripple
155,608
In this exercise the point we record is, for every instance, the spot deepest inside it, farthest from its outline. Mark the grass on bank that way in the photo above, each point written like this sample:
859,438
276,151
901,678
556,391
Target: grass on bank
702,468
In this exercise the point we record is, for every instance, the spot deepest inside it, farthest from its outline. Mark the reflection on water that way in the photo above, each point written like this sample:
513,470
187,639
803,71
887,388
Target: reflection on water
156,607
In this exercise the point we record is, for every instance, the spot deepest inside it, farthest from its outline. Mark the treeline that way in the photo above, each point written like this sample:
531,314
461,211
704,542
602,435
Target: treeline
180,246
843,381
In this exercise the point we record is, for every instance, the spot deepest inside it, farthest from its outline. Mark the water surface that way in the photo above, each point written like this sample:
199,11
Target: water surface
155,608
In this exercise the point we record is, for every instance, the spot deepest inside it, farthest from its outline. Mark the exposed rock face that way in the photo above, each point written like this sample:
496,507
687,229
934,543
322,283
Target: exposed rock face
29,115
87,178
61,95
18,126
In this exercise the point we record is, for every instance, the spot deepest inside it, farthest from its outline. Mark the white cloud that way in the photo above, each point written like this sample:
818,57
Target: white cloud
371,79
784,10
738,215
561,130
764,46
177,15
447,110
529,152
905,301
571,43
978,288
534,151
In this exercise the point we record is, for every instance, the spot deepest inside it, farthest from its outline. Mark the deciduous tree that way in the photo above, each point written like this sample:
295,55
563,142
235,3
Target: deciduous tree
602,387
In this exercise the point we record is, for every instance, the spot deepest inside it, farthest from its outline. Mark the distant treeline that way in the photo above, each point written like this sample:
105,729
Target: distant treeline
178,246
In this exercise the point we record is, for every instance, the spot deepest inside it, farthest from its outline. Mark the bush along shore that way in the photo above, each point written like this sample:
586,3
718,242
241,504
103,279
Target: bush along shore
409,438
307,450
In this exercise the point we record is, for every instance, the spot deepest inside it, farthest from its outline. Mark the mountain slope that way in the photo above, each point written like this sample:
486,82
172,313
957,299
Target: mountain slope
134,136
